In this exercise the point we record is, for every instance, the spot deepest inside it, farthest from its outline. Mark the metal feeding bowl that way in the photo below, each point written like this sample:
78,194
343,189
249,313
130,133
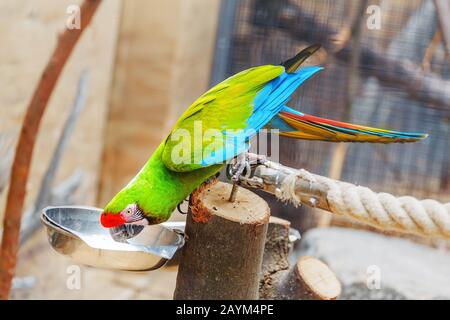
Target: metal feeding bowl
76,232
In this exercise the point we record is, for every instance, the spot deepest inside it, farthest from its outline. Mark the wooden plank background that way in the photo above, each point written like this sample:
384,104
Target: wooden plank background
148,60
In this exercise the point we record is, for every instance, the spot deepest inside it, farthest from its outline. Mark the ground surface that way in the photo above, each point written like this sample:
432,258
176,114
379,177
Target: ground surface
361,260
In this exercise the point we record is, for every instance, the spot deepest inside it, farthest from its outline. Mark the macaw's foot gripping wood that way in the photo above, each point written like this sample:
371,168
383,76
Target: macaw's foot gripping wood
224,245
308,279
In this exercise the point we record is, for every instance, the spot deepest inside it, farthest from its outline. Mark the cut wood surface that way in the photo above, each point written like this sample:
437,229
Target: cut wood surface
309,279
224,245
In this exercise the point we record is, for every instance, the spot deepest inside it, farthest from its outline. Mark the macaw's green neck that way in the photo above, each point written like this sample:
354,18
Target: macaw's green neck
158,191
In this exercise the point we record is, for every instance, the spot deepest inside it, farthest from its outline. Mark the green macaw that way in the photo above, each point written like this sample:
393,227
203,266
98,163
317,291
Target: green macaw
217,127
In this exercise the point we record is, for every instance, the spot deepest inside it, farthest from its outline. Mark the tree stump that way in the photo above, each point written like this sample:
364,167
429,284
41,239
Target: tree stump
224,245
275,259
308,279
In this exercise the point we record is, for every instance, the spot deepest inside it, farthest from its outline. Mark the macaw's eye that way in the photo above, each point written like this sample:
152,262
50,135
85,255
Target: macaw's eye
129,211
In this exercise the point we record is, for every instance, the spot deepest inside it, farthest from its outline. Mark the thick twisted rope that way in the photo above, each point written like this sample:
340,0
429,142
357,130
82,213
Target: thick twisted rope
385,211
381,210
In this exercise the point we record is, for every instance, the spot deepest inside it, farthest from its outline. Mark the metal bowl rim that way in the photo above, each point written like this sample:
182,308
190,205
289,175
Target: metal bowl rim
61,230
48,222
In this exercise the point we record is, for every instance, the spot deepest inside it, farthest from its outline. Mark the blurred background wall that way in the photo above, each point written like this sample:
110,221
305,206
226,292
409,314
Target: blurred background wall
147,60
164,56
28,32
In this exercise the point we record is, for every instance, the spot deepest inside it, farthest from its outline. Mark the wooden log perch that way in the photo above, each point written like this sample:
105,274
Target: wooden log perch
275,259
224,245
308,279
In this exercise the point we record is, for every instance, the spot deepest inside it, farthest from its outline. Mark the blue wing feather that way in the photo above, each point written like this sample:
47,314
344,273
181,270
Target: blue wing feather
266,105
271,99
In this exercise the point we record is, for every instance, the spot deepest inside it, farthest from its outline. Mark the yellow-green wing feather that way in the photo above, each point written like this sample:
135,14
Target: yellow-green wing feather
226,106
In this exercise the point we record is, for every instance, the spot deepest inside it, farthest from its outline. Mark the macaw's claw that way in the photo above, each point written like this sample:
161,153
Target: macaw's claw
188,200
239,167
179,208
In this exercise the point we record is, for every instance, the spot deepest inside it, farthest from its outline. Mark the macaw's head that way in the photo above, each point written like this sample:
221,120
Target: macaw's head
131,214
125,217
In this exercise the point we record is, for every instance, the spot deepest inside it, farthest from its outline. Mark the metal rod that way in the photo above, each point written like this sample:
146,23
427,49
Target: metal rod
234,192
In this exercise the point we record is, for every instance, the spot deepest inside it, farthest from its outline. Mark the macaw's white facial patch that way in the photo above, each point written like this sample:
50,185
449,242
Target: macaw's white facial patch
134,215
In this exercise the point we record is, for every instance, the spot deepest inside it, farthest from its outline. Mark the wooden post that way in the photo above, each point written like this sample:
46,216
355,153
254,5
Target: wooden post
275,259
308,279
224,245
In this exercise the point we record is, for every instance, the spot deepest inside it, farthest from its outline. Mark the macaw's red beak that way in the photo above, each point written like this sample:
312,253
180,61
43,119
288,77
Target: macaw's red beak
109,220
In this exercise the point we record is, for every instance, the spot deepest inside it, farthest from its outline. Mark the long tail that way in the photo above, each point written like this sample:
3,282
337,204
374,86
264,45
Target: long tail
298,125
